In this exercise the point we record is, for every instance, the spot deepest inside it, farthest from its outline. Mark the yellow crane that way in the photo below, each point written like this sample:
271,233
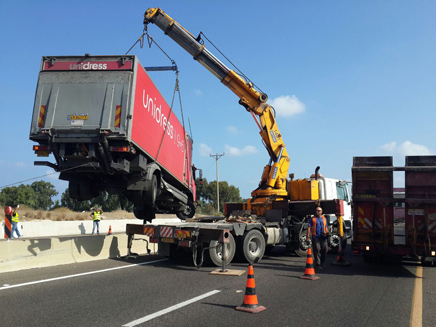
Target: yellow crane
273,184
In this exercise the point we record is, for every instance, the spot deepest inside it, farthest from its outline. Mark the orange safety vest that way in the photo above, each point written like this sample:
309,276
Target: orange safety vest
313,228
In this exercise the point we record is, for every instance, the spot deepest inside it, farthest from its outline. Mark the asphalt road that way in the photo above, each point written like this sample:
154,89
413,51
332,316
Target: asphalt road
154,291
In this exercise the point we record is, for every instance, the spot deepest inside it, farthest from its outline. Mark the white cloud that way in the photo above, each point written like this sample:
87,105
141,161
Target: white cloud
236,152
198,92
232,129
287,106
20,164
406,149
204,150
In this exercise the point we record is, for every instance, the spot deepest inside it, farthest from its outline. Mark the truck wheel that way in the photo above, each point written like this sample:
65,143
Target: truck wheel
151,194
302,246
81,191
253,246
188,212
215,252
147,214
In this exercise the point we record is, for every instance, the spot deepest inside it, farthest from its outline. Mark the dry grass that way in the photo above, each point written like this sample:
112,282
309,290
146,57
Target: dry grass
65,214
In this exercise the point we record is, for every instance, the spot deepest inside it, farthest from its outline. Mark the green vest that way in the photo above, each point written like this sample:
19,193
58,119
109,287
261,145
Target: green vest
15,217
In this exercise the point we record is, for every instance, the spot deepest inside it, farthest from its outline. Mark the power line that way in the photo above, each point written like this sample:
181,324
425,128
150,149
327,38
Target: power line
33,178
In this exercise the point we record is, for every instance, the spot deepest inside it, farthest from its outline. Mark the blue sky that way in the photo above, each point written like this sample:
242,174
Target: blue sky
347,78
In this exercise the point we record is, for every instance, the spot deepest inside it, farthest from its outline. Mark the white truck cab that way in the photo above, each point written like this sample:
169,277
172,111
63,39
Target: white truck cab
330,188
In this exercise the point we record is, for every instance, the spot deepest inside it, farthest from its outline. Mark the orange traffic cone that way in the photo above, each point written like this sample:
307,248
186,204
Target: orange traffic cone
309,273
110,230
340,260
250,299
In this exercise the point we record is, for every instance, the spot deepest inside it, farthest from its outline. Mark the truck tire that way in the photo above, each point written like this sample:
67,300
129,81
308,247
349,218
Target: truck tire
253,246
188,212
302,246
81,191
145,213
215,256
151,194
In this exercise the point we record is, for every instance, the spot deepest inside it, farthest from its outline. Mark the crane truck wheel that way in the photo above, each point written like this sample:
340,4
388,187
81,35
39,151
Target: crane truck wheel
214,255
253,246
187,212
302,246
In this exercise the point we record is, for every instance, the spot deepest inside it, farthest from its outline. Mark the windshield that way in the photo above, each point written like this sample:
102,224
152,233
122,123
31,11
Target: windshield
342,191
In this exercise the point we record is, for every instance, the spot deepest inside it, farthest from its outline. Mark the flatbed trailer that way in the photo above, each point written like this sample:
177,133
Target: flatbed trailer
241,234
375,234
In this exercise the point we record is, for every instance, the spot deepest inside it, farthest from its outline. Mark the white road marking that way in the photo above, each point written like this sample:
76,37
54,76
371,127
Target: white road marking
78,275
167,310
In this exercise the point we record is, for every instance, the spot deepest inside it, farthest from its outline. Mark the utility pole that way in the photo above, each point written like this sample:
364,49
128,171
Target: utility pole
217,156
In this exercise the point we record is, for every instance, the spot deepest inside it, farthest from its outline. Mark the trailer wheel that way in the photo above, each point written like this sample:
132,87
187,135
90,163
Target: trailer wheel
215,252
253,246
187,212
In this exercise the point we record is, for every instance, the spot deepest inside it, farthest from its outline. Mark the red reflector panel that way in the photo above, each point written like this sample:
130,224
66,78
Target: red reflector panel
118,116
41,118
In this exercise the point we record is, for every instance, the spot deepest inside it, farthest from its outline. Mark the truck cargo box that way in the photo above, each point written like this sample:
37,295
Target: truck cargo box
109,128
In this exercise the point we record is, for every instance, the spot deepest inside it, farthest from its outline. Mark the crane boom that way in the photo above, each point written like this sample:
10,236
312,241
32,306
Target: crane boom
274,176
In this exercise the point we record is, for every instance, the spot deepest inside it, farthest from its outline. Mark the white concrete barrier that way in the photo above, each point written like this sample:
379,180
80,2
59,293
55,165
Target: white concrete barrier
51,243
42,228
19,254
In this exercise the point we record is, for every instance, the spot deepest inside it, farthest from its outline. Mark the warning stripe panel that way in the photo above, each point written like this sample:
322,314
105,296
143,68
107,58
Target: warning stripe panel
432,227
182,233
118,116
149,231
41,118
166,231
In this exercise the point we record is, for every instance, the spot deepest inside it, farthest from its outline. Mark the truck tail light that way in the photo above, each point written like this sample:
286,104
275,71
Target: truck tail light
117,116
40,148
124,148
41,117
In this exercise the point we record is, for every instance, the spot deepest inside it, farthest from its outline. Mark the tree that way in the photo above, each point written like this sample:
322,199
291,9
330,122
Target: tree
44,192
104,200
207,197
22,194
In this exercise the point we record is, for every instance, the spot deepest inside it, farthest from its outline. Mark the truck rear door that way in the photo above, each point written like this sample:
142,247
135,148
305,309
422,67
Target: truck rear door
80,96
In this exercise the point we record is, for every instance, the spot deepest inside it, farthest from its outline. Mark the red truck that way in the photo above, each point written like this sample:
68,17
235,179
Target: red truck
380,234
109,129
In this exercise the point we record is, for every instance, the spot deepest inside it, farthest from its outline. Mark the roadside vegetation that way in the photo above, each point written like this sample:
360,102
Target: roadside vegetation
36,201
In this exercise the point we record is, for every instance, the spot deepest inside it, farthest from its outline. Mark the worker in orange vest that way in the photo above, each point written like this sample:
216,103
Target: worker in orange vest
318,232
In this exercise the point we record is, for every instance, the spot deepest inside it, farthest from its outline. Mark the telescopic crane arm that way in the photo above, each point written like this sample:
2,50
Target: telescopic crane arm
273,182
